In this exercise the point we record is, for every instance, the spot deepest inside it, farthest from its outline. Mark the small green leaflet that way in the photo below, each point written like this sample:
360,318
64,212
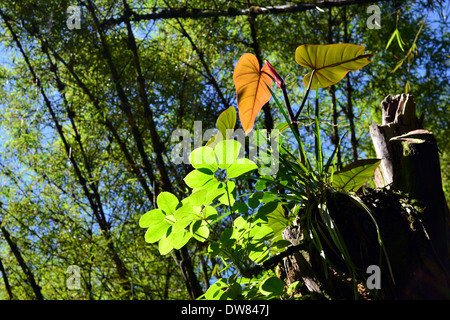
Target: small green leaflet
151,218
353,176
400,42
167,202
225,124
227,121
203,158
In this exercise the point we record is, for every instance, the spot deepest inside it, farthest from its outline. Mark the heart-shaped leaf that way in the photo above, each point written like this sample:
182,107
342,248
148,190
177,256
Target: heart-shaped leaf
353,176
225,123
252,89
330,62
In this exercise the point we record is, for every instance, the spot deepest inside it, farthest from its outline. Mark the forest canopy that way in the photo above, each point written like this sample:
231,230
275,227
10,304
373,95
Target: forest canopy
92,92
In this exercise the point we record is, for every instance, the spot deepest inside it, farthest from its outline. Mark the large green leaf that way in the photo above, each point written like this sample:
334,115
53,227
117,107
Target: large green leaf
277,220
330,62
165,245
227,152
353,176
155,232
179,239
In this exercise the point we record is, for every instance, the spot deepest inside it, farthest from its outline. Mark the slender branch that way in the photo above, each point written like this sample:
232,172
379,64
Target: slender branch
5,280
109,125
197,13
205,65
30,277
192,282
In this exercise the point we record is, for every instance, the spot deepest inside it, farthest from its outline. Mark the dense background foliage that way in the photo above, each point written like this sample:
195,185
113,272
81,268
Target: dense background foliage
87,116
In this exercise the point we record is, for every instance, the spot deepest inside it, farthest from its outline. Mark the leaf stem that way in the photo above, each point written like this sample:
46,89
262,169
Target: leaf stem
306,96
292,118
289,109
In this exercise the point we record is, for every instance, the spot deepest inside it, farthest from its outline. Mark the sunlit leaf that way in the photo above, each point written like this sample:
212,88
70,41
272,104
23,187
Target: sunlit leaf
156,232
257,252
179,239
238,169
353,176
203,157
215,291
182,223
277,220
228,197
251,87
200,230
225,124
167,202
226,121
151,218
198,178
209,213
227,152
330,62
165,245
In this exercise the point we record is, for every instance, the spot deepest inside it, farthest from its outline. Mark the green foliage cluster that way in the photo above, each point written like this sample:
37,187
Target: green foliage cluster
256,233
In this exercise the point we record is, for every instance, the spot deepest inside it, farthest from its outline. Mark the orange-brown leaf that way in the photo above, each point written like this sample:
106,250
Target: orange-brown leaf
251,88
